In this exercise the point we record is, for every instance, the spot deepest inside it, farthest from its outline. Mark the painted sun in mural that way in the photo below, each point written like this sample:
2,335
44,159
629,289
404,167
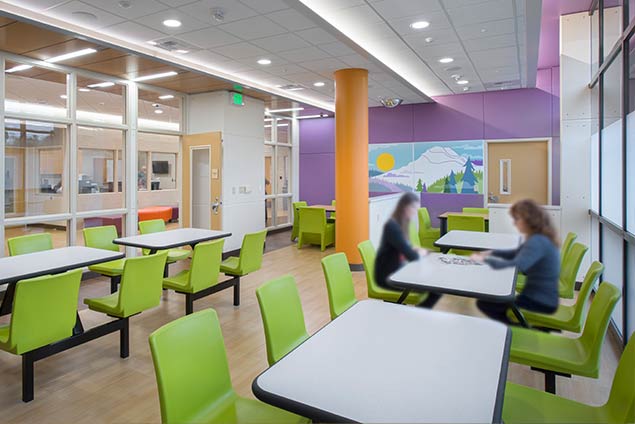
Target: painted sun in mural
385,162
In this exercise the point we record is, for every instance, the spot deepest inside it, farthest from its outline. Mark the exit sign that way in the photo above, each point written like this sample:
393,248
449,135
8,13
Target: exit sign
236,99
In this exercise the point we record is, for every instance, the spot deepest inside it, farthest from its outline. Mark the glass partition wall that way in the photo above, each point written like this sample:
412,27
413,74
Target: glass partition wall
613,153
278,172
72,144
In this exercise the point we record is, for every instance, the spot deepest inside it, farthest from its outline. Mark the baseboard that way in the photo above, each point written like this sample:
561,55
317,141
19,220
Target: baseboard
356,267
279,230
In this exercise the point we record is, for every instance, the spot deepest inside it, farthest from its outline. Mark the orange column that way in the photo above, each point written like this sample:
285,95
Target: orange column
351,162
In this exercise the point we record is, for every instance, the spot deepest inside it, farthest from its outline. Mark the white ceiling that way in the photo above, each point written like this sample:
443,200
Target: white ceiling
307,40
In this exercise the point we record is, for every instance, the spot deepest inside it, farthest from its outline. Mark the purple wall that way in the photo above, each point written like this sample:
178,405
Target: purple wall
523,113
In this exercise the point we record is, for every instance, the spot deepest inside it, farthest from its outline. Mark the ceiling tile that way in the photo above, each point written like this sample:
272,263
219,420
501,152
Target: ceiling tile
337,49
291,19
495,57
282,42
176,3
207,57
505,40
233,66
67,13
304,54
316,36
482,12
233,10
324,67
405,8
155,21
134,32
37,4
286,69
252,28
209,37
240,50
137,7
487,29
265,6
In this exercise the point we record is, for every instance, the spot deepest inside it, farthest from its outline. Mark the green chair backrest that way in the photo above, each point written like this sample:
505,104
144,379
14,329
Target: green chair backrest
571,266
566,246
621,403
424,219
101,237
29,243
466,223
367,252
590,278
141,283
413,234
339,283
151,226
312,220
205,265
597,323
190,364
44,310
476,210
333,204
296,206
251,252
282,317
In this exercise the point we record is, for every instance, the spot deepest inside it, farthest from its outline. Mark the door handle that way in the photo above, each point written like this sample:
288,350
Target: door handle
216,205
491,198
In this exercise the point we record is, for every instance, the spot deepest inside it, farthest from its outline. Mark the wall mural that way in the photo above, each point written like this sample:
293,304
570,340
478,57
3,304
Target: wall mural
449,167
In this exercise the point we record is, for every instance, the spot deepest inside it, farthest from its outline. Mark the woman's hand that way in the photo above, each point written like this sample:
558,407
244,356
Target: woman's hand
421,251
479,256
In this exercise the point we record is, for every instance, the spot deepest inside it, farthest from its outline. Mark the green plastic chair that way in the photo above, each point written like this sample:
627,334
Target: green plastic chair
339,283
29,244
332,216
202,278
555,354
248,261
465,223
157,226
190,364
314,229
525,405
44,312
413,235
565,249
101,238
427,234
140,290
296,219
375,291
569,270
476,210
282,317
569,318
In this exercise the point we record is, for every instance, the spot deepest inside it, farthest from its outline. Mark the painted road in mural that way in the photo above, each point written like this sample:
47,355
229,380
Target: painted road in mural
433,167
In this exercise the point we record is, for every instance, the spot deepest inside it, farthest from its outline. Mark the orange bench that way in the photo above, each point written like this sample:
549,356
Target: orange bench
155,212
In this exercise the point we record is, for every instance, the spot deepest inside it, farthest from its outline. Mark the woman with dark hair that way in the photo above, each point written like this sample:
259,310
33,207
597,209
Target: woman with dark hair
537,257
395,248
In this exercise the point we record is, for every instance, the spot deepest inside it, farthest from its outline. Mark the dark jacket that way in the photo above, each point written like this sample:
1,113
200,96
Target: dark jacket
538,258
393,251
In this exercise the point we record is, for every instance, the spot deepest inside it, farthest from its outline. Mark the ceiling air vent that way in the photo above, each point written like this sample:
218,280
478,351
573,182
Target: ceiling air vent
502,85
292,87
175,45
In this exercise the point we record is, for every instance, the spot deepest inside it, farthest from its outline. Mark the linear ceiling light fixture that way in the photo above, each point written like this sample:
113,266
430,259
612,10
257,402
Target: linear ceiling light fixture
18,68
101,84
321,115
291,109
71,55
155,76
166,97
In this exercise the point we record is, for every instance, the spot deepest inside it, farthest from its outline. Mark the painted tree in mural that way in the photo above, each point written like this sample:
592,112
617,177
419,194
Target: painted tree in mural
452,182
446,186
469,179
425,188
419,187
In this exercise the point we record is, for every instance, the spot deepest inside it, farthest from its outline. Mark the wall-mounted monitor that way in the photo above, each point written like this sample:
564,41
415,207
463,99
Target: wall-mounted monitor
160,167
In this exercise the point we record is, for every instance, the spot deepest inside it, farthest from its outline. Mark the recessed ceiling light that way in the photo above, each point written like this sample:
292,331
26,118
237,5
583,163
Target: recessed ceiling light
18,68
158,111
295,89
420,25
84,90
125,4
264,62
429,39
166,97
152,43
483,29
462,82
319,84
155,76
63,96
446,60
71,55
84,16
101,84
172,23
181,51
466,88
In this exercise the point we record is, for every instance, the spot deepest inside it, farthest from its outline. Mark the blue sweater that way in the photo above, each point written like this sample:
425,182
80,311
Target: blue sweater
538,258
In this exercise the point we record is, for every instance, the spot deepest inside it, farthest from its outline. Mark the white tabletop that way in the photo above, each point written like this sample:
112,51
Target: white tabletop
431,273
171,238
477,240
382,362
15,268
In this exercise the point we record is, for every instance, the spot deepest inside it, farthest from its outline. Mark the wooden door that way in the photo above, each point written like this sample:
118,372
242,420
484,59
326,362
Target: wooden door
213,142
518,170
